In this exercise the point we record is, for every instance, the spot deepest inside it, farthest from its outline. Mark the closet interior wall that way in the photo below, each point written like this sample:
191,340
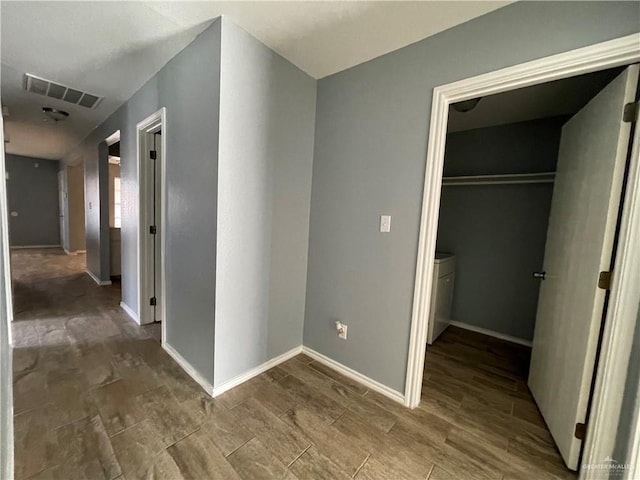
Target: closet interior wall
498,230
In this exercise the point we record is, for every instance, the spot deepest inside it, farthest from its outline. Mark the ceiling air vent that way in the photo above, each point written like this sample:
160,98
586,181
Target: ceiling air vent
51,89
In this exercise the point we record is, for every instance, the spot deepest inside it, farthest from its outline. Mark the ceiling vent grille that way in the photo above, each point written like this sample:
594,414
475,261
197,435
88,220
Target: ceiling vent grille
51,89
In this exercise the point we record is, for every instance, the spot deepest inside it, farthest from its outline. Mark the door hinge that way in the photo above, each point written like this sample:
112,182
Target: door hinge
630,113
153,230
153,154
153,301
604,280
580,431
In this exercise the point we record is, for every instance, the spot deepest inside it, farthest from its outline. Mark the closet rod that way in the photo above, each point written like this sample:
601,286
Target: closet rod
505,179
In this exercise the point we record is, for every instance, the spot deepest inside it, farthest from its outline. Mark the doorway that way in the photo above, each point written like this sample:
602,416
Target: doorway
499,214
115,212
152,224
506,80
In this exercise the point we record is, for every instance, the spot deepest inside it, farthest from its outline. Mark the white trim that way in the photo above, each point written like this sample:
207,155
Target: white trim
158,120
235,381
621,51
491,333
354,375
113,138
102,283
75,252
634,447
186,366
8,444
617,338
27,247
129,311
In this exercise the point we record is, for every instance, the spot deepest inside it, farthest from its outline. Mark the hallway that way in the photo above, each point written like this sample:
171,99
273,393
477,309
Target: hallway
96,397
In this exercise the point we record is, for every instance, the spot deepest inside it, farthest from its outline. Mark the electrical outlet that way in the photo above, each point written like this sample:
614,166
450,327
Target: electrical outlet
342,330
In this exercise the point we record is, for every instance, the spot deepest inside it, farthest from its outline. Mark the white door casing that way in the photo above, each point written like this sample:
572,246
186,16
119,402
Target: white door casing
624,296
152,266
580,239
608,54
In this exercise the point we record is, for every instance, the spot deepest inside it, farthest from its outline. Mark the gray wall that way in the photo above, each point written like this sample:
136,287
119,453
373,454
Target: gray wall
75,201
498,232
33,193
371,137
267,114
188,87
97,210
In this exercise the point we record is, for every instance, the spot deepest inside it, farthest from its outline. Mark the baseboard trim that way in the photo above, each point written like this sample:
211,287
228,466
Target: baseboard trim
130,312
491,333
234,382
354,375
186,366
75,252
102,283
26,247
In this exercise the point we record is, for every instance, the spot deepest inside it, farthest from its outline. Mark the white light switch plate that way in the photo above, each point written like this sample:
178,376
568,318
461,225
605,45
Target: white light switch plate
385,223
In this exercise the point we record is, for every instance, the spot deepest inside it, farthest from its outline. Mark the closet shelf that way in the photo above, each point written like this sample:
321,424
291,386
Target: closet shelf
505,179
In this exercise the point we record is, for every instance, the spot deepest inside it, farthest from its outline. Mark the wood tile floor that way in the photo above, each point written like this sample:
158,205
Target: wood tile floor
96,397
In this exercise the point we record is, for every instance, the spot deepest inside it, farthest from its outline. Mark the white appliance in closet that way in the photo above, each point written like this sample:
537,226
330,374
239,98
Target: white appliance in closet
444,273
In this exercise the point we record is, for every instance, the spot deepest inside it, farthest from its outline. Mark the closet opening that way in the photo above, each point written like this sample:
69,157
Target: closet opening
531,191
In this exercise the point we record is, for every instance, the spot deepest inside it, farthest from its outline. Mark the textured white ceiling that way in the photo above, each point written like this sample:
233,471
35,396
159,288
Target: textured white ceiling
113,48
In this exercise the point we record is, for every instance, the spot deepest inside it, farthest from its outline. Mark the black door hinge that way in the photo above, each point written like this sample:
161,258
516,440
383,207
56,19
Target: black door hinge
153,301
580,431
630,113
153,230
604,280
153,154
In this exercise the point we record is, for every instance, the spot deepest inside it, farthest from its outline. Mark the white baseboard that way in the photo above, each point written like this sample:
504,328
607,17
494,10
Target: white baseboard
26,247
130,312
186,366
234,382
102,283
491,333
354,375
240,379
75,252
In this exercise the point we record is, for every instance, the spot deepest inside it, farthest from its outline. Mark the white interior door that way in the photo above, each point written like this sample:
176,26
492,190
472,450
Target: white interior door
157,239
152,177
580,238
63,209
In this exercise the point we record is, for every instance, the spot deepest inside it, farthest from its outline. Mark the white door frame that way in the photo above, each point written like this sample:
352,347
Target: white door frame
7,445
621,51
151,124
5,250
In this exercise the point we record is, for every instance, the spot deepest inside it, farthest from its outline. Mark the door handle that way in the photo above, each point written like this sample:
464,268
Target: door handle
539,275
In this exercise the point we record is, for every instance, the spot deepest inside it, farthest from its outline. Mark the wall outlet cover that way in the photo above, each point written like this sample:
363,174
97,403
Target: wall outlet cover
385,223
342,330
